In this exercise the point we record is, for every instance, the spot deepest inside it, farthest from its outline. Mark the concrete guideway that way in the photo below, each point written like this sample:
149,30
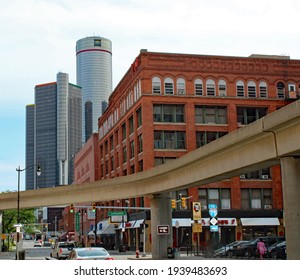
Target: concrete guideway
269,141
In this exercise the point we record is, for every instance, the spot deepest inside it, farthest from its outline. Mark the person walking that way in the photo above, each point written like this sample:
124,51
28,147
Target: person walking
261,248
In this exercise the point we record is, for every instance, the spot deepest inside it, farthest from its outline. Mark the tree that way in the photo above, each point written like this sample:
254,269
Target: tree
9,219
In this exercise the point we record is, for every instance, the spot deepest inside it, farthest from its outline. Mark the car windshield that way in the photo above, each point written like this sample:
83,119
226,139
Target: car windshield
66,245
91,253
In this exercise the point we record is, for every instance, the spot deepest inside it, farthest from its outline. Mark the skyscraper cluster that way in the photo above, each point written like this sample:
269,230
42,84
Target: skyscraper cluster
65,115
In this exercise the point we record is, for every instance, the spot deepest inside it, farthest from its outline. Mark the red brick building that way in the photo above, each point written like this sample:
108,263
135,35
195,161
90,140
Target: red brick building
167,105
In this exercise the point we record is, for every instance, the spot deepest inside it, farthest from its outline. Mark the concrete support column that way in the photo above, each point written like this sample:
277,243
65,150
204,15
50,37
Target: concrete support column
290,169
161,214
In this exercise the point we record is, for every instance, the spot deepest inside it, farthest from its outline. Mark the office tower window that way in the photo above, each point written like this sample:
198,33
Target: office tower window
180,86
210,88
156,85
198,87
168,113
280,90
205,137
240,89
169,139
169,86
88,119
246,115
222,88
251,89
211,114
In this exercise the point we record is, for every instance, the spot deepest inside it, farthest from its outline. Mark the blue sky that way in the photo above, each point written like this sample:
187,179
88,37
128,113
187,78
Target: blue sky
38,39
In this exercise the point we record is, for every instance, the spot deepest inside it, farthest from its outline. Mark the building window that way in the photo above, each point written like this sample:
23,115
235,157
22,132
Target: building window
256,198
280,90
124,131
168,113
169,140
124,154
221,197
211,114
131,125
140,143
139,116
169,86
240,89
180,86
263,174
161,160
131,149
156,85
263,90
251,89
112,163
210,88
111,141
198,87
222,88
246,115
97,42
141,166
205,137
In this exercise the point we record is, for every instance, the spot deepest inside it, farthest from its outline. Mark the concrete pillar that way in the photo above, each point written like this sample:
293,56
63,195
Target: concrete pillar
290,170
161,214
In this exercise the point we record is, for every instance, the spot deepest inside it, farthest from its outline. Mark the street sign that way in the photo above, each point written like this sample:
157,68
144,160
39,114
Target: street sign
213,221
119,213
197,227
213,210
163,229
77,221
214,228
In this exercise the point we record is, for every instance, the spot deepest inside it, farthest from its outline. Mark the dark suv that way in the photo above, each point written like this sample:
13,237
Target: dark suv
249,250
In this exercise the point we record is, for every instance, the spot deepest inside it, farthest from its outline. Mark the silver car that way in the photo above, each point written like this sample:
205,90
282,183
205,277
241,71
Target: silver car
89,253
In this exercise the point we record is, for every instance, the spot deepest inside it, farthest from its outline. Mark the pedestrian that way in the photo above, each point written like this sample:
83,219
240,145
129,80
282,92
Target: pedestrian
261,248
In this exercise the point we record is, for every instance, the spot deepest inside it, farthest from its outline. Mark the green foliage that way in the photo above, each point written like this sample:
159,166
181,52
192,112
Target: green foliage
9,219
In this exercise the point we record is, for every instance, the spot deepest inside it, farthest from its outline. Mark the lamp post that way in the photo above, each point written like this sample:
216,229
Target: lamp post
18,226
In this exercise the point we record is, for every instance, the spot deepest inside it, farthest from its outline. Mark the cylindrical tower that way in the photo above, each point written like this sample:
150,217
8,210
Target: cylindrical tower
94,76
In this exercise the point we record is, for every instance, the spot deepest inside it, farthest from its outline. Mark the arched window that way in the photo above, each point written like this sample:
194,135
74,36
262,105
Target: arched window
251,89
198,87
180,86
169,86
280,90
240,89
222,88
263,92
156,86
210,88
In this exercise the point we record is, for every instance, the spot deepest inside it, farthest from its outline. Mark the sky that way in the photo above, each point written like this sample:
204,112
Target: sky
38,39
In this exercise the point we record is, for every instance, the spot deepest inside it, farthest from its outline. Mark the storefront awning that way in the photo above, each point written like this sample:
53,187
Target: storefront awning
138,223
187,222
109,229
260,221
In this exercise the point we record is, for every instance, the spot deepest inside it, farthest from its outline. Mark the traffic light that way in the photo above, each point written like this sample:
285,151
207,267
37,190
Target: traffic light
94,207
72,208
183,202
173,203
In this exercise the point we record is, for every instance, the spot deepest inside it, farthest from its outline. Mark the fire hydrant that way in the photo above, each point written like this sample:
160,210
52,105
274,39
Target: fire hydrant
137,254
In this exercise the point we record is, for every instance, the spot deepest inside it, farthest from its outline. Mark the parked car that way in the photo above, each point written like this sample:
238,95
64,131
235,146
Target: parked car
38,243
227,250
278,250
249,250
89,253
61,250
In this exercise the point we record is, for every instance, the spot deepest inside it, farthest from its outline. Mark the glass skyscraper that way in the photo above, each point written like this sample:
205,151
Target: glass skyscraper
53,133
94,76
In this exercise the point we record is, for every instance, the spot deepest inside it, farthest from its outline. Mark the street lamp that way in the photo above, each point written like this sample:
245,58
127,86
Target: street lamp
18,227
